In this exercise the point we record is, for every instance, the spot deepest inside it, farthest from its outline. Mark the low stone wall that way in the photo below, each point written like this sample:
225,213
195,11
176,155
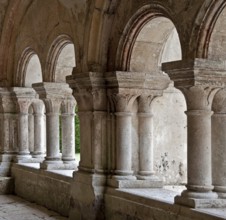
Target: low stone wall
121,205
43,187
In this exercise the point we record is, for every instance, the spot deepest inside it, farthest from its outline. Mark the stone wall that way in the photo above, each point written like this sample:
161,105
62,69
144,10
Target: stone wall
42,187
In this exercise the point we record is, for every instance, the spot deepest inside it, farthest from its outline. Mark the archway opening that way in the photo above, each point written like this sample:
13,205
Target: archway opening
33,72
64,62
158,42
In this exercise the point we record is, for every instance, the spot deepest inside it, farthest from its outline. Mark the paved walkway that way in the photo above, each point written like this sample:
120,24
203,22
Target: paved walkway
15,208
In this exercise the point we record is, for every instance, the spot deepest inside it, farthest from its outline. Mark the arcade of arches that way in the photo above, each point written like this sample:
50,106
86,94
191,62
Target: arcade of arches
148,80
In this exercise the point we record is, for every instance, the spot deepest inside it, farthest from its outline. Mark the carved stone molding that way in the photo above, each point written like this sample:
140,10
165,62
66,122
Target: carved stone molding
188,73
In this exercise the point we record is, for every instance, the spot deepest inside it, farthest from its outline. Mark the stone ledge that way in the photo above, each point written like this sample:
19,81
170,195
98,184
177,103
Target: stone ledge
135,183
200,203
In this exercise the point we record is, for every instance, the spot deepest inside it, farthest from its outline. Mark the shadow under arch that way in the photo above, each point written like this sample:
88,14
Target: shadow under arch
55,51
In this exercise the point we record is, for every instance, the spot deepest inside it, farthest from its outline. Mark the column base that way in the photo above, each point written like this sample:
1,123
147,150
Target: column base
57,165
196,199
200,203
148,177
22,158
221,191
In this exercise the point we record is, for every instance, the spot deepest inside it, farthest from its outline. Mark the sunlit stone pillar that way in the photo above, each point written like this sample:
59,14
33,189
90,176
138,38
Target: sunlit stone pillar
52,131
39,130
219,144
192,78
68,131
123,145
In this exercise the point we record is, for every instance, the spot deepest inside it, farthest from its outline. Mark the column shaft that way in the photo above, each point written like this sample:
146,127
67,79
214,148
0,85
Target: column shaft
219,153
123,144
199,154
23,134
68,137
39,135
145,144
52,125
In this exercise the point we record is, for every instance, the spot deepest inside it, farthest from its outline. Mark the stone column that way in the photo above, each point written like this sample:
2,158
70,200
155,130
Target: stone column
123,104
219,143
39,130
31,131
53,95
52,131
146,155
23,97
68,131
193,79
23,143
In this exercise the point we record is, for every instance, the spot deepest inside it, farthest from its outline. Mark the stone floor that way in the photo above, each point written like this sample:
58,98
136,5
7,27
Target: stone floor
15,208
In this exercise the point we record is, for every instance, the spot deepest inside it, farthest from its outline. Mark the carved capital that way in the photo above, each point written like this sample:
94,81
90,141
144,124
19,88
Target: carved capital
52,105
23,105
145,100
199,97
68,105
219,102
38,106
123,102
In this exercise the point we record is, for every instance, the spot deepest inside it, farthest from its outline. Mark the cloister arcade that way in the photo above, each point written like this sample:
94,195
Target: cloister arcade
148,81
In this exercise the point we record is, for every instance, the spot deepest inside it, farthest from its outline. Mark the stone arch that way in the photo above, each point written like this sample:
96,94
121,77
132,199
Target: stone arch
62,46
207,19
29,69
141,18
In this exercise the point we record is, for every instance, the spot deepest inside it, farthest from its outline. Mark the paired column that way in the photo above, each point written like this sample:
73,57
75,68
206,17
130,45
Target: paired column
219,144
193,79
58,99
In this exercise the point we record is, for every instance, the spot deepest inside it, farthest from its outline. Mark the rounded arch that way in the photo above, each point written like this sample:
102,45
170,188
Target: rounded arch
59,46
29,69
139,20
207,19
